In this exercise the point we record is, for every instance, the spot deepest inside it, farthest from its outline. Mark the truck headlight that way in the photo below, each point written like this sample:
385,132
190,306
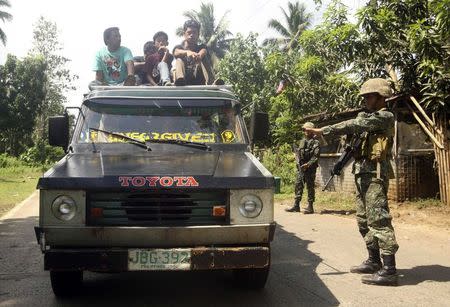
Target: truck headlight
250,205
64,208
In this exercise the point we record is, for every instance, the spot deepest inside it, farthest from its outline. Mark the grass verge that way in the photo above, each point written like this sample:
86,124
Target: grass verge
16,184
325,201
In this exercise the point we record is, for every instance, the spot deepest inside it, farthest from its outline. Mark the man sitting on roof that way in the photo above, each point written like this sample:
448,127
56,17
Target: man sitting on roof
113,63
192,63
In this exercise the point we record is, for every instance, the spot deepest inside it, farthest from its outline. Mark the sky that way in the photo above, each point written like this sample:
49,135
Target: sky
81,24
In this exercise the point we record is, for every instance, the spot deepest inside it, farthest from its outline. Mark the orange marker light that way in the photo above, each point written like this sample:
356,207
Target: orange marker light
219,211
96,212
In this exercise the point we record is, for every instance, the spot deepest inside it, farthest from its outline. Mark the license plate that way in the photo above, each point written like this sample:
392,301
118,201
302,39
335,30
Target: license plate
159,259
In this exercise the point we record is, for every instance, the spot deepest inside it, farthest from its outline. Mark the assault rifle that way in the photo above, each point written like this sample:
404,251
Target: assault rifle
349,150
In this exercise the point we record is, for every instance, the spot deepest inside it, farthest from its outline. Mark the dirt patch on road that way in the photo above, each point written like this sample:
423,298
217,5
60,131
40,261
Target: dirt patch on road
428,212
409,213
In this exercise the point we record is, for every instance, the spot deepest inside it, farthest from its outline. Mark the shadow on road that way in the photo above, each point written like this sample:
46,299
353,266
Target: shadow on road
418,274
296,266
293,280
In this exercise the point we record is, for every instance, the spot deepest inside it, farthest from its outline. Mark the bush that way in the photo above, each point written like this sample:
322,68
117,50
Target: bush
42,155
281,163
7,161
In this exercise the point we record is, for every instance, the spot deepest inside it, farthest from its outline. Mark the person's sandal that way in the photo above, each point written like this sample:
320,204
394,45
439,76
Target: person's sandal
130,81
180,82
219,82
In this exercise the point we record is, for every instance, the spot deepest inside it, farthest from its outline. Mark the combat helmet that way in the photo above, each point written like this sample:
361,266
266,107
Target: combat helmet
376,85
308,125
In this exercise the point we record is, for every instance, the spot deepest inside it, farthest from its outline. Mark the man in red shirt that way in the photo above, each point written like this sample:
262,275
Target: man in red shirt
158,60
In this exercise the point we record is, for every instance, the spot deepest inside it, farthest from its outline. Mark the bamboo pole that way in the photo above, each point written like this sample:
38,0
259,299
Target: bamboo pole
427,118
443,159
446,153
327,155
424,127
397,189
438,157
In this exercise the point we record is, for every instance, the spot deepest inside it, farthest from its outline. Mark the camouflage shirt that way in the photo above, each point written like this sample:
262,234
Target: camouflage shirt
379,121
308,151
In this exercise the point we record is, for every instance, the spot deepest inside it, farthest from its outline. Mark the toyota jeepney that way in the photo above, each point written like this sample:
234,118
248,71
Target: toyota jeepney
156,178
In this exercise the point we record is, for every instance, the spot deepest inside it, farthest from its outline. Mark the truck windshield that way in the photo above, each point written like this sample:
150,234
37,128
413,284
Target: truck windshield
186,120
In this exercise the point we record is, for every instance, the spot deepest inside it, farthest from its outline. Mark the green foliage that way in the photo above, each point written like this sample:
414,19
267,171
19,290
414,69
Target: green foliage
296,21
7,161
280,162
413,38
21,98
59,79
4,16
42,154
243,68
318,75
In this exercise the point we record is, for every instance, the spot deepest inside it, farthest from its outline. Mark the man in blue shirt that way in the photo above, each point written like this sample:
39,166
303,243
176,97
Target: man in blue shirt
113,63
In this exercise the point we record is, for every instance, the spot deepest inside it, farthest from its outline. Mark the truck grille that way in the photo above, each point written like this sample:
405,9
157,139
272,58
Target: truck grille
155,208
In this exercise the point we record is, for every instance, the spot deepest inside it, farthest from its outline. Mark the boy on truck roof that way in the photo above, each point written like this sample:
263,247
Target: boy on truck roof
113,63
158,60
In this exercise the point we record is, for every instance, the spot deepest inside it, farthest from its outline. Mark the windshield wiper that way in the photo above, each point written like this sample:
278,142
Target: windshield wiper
124,137
182,142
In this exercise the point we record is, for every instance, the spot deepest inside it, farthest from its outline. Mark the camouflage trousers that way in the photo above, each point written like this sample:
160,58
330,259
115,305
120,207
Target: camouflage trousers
372,213
305,178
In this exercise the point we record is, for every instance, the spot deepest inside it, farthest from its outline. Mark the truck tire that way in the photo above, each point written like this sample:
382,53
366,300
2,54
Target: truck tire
66,283
253,279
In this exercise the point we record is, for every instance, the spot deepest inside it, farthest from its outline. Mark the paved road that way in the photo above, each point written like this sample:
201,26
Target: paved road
311,256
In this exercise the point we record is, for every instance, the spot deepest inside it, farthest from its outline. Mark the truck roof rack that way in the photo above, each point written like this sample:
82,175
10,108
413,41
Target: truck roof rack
163,92
159,88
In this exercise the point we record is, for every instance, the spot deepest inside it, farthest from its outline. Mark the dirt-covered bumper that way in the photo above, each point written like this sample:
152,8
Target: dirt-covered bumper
118,260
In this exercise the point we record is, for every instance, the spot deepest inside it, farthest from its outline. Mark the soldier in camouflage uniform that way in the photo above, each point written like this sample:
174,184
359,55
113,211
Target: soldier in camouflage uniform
306,156
372,171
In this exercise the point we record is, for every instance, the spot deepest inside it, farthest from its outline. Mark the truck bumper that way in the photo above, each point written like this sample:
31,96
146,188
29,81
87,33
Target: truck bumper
116,237
116,260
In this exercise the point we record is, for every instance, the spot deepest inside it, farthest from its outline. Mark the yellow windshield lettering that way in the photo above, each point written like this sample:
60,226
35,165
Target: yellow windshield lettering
185,138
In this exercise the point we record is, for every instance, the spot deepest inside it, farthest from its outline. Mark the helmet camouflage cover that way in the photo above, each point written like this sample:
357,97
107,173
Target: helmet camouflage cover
308,125
376,85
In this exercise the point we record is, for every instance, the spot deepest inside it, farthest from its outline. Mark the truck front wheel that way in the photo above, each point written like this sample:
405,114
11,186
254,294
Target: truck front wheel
66,283
251,278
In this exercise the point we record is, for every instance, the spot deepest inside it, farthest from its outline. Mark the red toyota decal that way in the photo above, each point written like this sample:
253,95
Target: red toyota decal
166,181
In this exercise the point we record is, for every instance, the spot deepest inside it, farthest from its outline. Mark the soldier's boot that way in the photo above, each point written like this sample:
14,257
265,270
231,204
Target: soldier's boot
387,276
309,209
371,265
295,208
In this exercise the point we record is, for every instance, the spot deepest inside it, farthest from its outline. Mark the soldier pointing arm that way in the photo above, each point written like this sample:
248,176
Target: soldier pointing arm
372,171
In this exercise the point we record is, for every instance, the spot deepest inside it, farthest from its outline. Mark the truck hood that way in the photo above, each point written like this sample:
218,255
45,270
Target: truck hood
157,170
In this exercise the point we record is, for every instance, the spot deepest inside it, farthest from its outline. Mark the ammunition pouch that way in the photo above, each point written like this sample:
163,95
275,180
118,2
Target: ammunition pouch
375,146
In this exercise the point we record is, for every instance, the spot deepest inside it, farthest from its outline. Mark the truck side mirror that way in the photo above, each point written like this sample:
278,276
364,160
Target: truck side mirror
259,127
58,130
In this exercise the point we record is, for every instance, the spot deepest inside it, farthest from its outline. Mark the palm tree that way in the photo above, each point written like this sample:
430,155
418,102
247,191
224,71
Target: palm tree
297,20
4,16
214,36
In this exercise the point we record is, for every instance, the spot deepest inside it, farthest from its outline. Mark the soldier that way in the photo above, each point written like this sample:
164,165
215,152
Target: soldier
307,157
372,171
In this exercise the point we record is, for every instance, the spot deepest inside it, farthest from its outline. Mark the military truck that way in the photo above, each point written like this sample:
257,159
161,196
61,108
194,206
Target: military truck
156,178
